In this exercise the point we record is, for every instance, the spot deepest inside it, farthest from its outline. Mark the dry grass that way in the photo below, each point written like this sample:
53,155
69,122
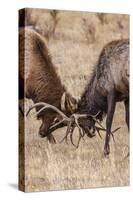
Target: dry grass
75,51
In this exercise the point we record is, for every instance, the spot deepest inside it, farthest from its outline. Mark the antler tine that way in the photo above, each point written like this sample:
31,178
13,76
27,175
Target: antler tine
67,131
98,131
47,106
100,124
114,132
56,124
71,136
113,137
81,133
94,116
80,136
78,141
76,117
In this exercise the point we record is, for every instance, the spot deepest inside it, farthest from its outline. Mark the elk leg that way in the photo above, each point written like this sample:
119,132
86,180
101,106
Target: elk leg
127,112
110,112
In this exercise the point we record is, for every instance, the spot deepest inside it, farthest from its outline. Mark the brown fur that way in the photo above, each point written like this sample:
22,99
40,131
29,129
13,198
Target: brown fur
38,78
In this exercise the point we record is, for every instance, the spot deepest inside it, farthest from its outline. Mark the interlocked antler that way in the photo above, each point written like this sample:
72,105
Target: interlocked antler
71,126
71,122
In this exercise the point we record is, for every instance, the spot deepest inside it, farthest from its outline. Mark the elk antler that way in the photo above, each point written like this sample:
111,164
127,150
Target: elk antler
98,129
70,129
71,126
71,122
48,106
94,116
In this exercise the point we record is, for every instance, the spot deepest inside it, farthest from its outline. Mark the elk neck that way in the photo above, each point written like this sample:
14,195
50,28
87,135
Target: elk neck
92,101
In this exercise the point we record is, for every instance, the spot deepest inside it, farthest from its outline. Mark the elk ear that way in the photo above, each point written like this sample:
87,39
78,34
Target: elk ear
68,103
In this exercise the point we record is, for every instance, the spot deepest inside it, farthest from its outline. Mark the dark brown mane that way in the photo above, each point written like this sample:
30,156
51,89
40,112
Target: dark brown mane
42,83
92,101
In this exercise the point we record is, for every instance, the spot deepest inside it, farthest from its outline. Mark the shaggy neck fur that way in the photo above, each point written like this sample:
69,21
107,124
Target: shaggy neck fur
91,101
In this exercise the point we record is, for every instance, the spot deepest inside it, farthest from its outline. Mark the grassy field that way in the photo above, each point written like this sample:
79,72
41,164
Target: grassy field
75,40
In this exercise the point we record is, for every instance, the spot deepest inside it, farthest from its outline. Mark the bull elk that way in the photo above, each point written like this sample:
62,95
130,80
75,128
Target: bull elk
39,81
109,84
